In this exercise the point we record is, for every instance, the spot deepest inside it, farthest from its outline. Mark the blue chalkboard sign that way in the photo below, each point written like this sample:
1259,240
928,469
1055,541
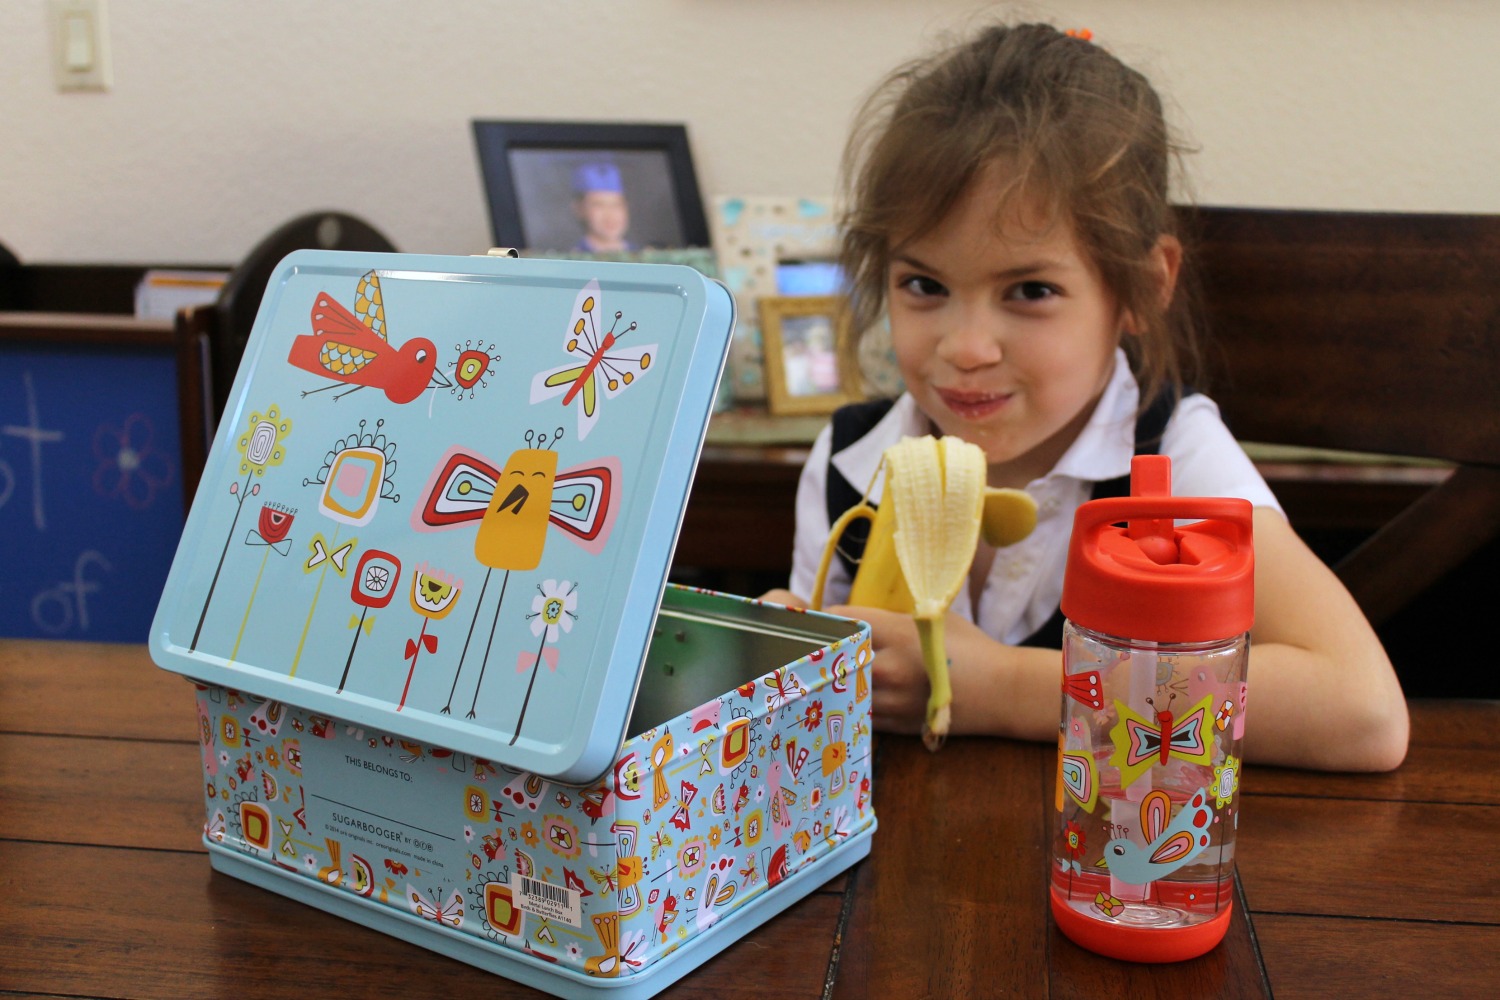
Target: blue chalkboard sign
95,460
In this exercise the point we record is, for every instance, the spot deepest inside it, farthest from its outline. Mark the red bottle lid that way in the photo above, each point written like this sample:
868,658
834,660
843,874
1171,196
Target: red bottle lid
1133,573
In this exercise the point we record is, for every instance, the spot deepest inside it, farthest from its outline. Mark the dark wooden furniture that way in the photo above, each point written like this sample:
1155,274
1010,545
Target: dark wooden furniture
1372,333
1346,880
228,321
10,279
105,289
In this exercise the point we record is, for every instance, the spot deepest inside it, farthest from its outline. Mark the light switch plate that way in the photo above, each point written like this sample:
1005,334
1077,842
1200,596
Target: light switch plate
80,44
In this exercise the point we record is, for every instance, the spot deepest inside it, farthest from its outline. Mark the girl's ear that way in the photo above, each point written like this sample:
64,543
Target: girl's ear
1165,263
1166,259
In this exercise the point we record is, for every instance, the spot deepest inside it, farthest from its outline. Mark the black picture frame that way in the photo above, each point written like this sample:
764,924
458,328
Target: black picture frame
531,169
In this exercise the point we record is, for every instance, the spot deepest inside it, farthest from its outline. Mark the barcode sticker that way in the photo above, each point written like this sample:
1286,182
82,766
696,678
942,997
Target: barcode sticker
551,902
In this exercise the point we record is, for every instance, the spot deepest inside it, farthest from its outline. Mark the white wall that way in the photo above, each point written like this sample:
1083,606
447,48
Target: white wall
226,118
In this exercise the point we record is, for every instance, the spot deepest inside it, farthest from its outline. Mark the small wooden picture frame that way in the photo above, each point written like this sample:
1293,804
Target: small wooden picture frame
802,337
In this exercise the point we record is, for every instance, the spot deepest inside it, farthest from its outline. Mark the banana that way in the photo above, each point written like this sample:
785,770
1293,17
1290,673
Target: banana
921,545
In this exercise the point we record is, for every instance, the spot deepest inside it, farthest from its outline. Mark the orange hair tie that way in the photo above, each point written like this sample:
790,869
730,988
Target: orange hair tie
1082,34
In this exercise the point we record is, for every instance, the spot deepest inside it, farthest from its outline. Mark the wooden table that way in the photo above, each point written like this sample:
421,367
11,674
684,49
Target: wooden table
1352,885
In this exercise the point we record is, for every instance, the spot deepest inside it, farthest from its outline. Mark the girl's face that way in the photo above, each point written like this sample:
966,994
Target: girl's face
1006,339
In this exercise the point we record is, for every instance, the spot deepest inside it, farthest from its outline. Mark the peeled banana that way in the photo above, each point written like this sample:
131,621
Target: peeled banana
921,545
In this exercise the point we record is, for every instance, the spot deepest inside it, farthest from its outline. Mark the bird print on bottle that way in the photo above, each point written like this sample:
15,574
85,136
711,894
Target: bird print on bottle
1169,846
353,349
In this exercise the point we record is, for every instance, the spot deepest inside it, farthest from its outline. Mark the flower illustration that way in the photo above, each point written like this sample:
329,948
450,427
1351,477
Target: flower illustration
433,591
1073,839
1226,781
433,594
129,466
812,716
261,447
528,834
553,607
691,857
1108,905
562,837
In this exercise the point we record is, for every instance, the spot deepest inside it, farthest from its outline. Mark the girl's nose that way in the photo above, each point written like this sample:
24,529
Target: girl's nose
970,344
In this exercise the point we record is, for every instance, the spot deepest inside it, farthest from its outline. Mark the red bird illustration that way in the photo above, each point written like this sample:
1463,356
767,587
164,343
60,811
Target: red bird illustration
353,349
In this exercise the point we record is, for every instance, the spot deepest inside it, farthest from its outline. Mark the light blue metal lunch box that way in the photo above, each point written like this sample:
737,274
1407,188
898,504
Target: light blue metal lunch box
443,687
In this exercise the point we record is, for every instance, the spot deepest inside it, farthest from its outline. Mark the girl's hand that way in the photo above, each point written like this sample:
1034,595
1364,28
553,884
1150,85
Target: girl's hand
997,689
898,699
786,597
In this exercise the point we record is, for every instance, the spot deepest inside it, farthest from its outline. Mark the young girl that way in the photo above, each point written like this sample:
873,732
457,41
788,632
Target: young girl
1009,211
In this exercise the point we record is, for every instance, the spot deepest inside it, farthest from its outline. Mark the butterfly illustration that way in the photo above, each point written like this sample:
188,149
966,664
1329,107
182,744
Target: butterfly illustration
354,349
785,688
450,913
1169,846
1141,742
682,818
659,842
607,879
600,362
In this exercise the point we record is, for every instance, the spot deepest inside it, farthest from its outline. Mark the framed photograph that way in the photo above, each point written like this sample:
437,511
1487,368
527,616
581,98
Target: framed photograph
753,235
801,336
590,188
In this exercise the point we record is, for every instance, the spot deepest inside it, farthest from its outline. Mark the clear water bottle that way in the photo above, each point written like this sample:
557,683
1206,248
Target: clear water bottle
1155,651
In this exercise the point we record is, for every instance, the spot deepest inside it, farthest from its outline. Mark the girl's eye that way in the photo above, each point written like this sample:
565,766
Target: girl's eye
1032,291
920,285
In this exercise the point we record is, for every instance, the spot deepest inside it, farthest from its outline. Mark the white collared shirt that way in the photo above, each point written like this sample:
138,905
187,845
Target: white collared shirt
1024,585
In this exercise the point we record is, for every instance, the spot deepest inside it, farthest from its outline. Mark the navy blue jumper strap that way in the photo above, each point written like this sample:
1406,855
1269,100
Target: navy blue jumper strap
850,423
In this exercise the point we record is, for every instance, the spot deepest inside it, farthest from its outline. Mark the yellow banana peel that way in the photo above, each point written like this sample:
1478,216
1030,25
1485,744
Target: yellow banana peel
921,546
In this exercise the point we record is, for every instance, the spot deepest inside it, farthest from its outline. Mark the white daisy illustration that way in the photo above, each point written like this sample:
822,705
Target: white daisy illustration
554,607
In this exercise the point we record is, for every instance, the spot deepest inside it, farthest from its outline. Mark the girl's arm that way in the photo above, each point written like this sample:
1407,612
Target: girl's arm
1322,692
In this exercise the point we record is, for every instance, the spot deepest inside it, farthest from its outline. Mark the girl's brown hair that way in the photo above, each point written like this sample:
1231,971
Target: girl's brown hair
1084,137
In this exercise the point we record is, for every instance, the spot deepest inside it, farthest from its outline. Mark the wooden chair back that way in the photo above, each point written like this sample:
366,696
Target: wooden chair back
10,280
1366,332
233,314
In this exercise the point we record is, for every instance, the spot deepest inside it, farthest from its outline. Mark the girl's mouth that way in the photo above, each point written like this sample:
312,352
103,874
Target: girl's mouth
973,405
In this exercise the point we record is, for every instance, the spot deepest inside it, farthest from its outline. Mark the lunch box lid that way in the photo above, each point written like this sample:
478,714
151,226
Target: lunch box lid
443,497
